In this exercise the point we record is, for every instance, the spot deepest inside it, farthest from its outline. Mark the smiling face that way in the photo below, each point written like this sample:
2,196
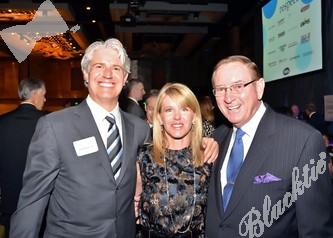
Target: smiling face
238,108
177,122
106,77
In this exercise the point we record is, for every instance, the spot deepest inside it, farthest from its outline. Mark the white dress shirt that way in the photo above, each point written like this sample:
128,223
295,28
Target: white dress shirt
250,129
99,114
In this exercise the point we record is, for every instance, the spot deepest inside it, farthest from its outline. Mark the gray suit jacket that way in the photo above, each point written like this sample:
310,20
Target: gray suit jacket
280,144
82,195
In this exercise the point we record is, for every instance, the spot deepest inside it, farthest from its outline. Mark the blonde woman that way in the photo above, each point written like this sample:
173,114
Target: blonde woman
171,170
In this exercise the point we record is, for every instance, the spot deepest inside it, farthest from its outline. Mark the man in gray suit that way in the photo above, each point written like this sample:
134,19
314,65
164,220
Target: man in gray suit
69,167
261,185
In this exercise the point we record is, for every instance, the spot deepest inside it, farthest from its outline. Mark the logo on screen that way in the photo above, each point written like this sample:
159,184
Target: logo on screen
306,1
303,9
272,64
305,38
286,71
282,60
294,57
292,44
282,47
306,21
281,21
269,9
282,33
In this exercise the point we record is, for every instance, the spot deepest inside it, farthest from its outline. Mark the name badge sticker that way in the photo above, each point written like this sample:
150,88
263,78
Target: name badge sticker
85,146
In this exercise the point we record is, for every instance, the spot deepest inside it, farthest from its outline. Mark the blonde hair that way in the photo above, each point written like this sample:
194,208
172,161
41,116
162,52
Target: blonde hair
206,107
185,97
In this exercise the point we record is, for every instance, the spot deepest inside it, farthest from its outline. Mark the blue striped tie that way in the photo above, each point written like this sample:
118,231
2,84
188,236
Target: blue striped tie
234,165
114,147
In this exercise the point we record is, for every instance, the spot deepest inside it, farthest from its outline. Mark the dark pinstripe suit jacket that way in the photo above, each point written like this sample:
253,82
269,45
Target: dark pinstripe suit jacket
280,144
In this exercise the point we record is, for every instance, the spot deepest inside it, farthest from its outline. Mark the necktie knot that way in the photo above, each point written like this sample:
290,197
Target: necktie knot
239,134
110,119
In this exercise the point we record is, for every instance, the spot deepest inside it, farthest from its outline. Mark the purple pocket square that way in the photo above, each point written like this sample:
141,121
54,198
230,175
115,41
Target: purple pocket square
266,178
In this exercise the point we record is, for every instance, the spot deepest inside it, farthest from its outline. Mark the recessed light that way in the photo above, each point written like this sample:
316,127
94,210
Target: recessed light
93,21
88,8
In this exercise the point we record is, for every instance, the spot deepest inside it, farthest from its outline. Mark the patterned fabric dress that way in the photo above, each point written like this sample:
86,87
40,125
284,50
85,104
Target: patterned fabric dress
208,128
172,201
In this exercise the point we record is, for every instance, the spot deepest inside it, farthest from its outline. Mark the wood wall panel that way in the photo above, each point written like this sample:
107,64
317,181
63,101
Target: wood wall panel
62,85
9,80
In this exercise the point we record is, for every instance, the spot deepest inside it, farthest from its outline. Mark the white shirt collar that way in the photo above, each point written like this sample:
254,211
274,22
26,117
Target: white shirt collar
99,114
133,99
311,114
251,126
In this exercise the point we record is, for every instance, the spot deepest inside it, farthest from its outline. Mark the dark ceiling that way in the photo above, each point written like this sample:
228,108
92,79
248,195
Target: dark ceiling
148,29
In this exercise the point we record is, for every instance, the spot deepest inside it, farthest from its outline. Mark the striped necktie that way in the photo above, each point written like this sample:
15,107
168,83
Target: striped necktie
233,167
113,146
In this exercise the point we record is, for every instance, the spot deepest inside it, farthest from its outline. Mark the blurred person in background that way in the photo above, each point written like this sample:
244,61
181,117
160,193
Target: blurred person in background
207,113
136,90
150,102
16,130
315,118
296,112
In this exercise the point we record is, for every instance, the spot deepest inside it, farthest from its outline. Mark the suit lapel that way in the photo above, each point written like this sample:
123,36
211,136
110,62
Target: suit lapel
127,130
256,156
86,126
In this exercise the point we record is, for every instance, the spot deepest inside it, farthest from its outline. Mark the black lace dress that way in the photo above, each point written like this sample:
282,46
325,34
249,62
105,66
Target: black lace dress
172,202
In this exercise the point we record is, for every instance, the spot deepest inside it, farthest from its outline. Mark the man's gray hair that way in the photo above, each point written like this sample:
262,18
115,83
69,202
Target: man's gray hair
27,86
112,43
